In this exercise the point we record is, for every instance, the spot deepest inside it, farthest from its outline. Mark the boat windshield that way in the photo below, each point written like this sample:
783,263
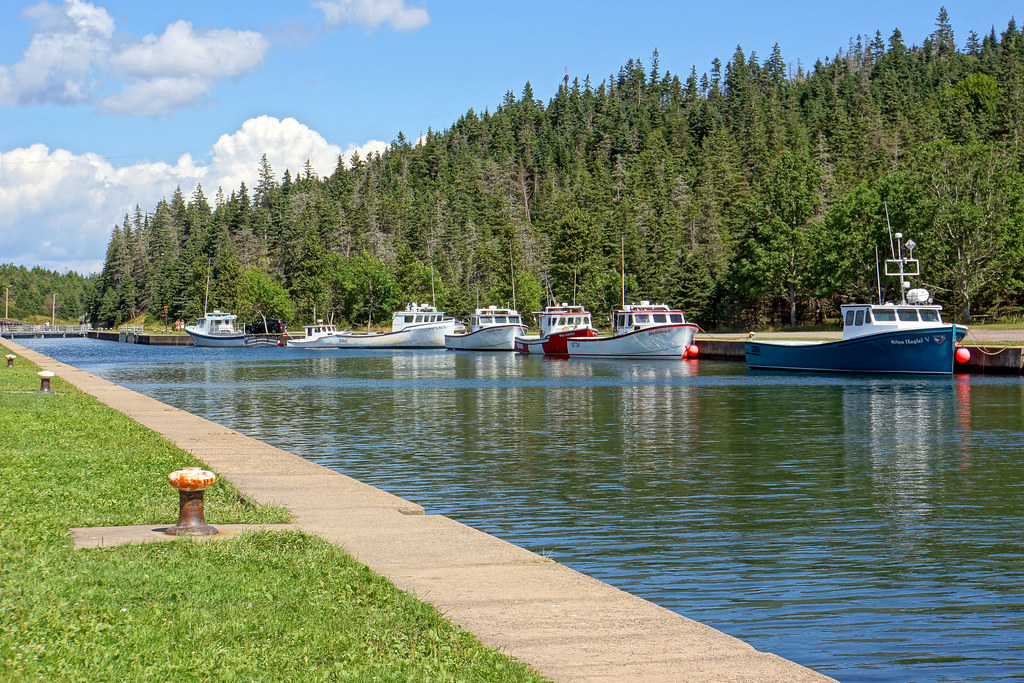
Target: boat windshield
907,314
883,315
931,316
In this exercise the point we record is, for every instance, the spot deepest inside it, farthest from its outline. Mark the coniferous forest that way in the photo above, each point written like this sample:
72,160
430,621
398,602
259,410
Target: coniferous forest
753,193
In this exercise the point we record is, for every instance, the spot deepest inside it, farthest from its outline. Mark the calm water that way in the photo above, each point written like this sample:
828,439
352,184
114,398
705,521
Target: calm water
870,528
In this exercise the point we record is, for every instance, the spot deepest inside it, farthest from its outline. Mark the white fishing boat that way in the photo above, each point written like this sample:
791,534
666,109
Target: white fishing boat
490,329
557,324
216,329
418,326
643,330
320,335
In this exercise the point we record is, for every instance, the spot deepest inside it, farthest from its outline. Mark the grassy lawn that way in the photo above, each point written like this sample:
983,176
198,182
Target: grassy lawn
260,606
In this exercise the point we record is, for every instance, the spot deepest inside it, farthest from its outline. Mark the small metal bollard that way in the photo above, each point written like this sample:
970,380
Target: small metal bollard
10,360
191,483
44,384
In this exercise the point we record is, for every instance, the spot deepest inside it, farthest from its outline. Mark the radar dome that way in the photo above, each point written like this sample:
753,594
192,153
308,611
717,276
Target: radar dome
917,296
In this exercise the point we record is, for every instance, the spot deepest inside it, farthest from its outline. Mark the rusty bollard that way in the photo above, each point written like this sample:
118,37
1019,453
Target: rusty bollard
44,381
10,360
191,483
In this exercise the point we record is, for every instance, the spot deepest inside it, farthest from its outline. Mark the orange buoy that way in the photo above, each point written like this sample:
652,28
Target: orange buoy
691,351
963,355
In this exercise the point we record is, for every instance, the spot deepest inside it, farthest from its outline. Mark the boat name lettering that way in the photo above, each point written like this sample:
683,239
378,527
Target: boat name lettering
658,332
901,342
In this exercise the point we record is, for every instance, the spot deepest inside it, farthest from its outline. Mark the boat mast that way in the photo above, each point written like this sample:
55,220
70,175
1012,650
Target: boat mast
512,272
206,301
433,301
878,276
898,259
622,255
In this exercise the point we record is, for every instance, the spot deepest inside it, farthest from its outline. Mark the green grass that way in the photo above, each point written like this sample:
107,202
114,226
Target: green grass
260,606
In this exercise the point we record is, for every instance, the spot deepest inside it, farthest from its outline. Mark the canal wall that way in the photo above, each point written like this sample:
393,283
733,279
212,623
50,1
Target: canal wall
136,338
568,626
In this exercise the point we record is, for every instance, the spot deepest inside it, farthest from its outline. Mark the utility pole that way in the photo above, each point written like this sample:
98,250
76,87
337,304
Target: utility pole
53,311
7,298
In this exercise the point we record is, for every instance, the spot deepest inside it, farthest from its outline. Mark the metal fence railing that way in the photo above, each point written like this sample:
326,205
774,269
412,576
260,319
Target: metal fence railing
37,329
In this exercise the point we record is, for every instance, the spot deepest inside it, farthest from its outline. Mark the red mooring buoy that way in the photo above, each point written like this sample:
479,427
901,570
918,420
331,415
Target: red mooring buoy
962,355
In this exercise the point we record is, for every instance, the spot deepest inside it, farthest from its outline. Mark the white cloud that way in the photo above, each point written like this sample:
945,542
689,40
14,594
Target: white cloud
72,59
57,209
59,66
180,52
364,150
370,14
156,96
287,144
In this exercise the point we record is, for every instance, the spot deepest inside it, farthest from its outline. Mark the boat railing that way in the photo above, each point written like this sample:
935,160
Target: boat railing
22,328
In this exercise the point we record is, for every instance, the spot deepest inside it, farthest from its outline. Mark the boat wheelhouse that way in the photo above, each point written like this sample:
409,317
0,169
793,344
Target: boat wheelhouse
557,324
643,330
490,329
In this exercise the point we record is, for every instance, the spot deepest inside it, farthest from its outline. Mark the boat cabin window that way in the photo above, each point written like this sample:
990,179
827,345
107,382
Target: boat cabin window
859,319
408,318
499,319
883,315
514,320
849,318
676,317
642,318
930,316
907,314
660,318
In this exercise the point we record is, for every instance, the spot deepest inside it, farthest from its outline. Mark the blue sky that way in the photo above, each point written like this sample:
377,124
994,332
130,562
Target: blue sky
111,103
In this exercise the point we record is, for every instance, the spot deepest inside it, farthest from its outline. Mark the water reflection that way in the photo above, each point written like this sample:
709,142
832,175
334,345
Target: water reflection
867,527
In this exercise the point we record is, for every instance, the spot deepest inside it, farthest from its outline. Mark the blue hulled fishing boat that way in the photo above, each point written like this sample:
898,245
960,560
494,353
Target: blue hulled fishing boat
905,337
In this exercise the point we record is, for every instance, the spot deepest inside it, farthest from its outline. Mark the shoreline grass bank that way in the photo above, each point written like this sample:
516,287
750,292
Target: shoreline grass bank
259,606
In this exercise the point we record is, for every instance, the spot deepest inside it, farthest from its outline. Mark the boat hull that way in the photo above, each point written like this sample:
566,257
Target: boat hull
554,344
927,351
666,341
325,342
495,338
200,339
422,336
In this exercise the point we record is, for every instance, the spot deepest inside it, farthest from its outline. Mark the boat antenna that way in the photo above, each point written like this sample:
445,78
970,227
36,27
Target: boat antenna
892,247
206,301
878,276
622,255
573,286
512,273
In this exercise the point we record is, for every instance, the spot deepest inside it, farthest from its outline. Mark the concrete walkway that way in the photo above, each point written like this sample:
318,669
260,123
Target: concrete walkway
568,626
